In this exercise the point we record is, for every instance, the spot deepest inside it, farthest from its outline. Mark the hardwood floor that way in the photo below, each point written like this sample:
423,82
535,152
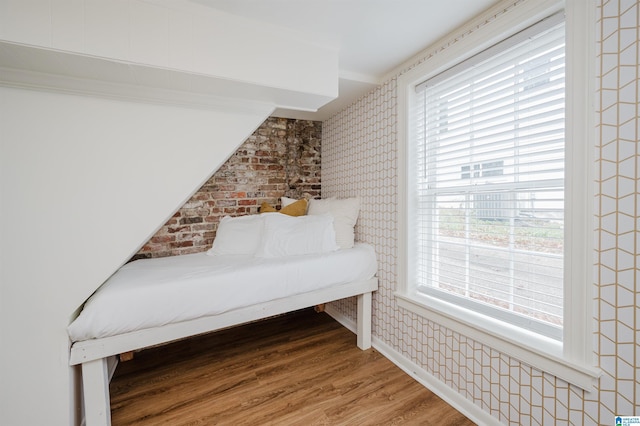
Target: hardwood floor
299,369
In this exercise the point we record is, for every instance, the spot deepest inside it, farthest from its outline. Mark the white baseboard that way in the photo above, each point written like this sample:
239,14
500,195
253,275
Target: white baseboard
450,396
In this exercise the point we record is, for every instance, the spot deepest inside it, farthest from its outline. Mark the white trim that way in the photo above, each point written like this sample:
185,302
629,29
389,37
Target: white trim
92,349
493,50
573,363
438,387
580,105
359,77
32,80
447,394
48,68
517,14
511,21
544,354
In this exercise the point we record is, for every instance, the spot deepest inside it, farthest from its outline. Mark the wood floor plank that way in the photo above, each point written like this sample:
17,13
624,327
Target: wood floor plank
301,368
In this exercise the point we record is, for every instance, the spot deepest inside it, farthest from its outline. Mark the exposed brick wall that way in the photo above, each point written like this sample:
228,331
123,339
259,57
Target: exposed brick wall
281,158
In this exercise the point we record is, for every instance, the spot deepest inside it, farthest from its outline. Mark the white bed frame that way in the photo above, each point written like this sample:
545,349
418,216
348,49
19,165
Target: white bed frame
93,354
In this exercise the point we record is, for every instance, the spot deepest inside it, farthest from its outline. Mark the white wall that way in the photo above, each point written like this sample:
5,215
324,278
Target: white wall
360,157
213,52
84,182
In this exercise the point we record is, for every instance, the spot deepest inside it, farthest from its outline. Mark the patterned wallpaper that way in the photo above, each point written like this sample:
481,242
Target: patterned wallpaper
360,159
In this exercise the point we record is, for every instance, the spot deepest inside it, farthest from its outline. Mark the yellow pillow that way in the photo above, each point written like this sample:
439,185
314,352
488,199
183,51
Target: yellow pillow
299,208
267,208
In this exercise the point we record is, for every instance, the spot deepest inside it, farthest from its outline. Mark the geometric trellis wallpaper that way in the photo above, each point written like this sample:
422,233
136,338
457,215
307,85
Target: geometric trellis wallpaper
359,158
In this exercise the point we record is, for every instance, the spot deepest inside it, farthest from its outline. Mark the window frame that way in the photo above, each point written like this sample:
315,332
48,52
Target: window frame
571,359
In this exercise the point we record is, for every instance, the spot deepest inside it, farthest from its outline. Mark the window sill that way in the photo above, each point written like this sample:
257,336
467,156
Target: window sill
539,352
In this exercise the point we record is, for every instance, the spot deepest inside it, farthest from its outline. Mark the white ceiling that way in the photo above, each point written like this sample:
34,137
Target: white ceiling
373,36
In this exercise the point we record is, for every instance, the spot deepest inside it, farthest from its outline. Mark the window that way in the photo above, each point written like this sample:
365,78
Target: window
489,181
494,230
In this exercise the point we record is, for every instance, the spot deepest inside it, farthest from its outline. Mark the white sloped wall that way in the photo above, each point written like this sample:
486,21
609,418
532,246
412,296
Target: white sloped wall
112,113
84,183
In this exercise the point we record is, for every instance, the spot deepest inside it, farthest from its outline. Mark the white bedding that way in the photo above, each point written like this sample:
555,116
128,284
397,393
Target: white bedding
155,292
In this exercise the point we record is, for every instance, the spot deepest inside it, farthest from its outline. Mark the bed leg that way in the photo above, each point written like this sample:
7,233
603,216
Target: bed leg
95,383
126,356
364,321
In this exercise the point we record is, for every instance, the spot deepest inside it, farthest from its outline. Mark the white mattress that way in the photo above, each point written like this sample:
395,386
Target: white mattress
155,292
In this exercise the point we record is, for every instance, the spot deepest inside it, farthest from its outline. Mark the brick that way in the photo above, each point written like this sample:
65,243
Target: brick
225,203
282,157
179,244
160,239
186,220
202,227
226,188
173,230
269,160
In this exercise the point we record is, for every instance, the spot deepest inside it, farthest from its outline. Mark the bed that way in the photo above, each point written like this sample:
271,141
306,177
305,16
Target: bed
259,266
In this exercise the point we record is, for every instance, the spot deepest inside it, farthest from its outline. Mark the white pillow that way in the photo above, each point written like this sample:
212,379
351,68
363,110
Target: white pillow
285,201
285,235
345,215
237,235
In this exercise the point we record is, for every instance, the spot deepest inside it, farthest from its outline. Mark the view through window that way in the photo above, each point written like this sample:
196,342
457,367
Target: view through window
489,184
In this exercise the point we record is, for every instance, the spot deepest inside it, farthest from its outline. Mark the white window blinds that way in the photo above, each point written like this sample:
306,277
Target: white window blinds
489,181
